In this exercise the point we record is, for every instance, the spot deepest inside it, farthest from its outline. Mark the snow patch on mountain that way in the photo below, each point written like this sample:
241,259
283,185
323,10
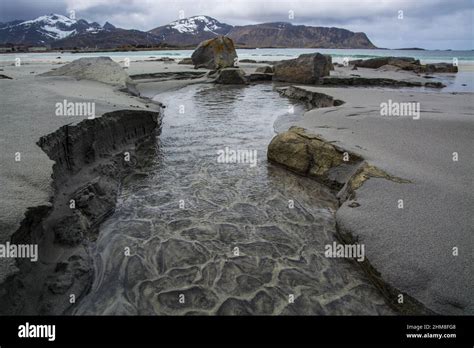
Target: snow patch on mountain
49,28
192,25
56,33
51,20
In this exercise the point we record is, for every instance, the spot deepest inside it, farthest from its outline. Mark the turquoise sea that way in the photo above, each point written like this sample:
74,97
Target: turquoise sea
274,54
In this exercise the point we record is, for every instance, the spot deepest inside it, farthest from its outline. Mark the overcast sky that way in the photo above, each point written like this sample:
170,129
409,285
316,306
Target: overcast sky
432,24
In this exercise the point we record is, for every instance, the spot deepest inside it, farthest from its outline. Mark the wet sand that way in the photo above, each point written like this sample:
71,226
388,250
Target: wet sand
28,181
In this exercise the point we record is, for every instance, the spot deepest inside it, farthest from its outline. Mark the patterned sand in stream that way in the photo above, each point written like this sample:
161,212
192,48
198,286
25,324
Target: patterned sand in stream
183,259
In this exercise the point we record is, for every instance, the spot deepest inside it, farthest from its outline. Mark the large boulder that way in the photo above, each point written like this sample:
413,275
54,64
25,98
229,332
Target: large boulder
102,69
217,53
307,68
407,63
229,76
310,155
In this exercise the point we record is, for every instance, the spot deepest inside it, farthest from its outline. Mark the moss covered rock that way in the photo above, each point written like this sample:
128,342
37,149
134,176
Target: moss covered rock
217,53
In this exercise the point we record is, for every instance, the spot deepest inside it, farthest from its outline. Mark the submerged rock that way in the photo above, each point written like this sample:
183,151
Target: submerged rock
217,53
229,76
307,68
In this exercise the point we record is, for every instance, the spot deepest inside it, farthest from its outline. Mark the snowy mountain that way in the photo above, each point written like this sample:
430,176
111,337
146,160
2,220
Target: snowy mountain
190,31
45,29
65,33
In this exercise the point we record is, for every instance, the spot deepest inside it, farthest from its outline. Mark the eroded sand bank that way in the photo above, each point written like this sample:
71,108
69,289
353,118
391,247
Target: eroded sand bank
411,245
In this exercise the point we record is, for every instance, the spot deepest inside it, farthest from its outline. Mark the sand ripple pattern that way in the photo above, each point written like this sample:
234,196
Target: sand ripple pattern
183,260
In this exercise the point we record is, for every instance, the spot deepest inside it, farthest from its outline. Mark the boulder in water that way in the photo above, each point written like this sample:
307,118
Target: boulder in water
230,76
307,68
216,53
266,69
310,155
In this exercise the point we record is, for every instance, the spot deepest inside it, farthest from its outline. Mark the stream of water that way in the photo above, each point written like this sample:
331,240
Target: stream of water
206,237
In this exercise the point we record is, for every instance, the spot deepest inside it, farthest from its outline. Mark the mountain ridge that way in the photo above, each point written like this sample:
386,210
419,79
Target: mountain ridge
59,31
284,34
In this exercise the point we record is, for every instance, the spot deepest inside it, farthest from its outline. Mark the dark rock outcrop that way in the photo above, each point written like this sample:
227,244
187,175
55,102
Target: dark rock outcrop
311,99
439,68
186,61
259,77
91,160
217,53
375,63
404,63
266,69
375,81
108,39
306,69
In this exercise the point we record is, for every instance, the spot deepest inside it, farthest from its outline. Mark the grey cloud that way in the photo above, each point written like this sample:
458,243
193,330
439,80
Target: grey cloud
437,23
28,9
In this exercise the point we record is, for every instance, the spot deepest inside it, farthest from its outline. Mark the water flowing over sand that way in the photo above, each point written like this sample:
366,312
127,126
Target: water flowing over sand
183,221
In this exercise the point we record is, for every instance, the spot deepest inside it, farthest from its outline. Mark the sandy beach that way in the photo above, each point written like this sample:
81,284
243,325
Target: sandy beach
411,246
401,243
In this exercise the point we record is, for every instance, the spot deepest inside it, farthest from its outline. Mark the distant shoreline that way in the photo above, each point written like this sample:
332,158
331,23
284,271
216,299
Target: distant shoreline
184,48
